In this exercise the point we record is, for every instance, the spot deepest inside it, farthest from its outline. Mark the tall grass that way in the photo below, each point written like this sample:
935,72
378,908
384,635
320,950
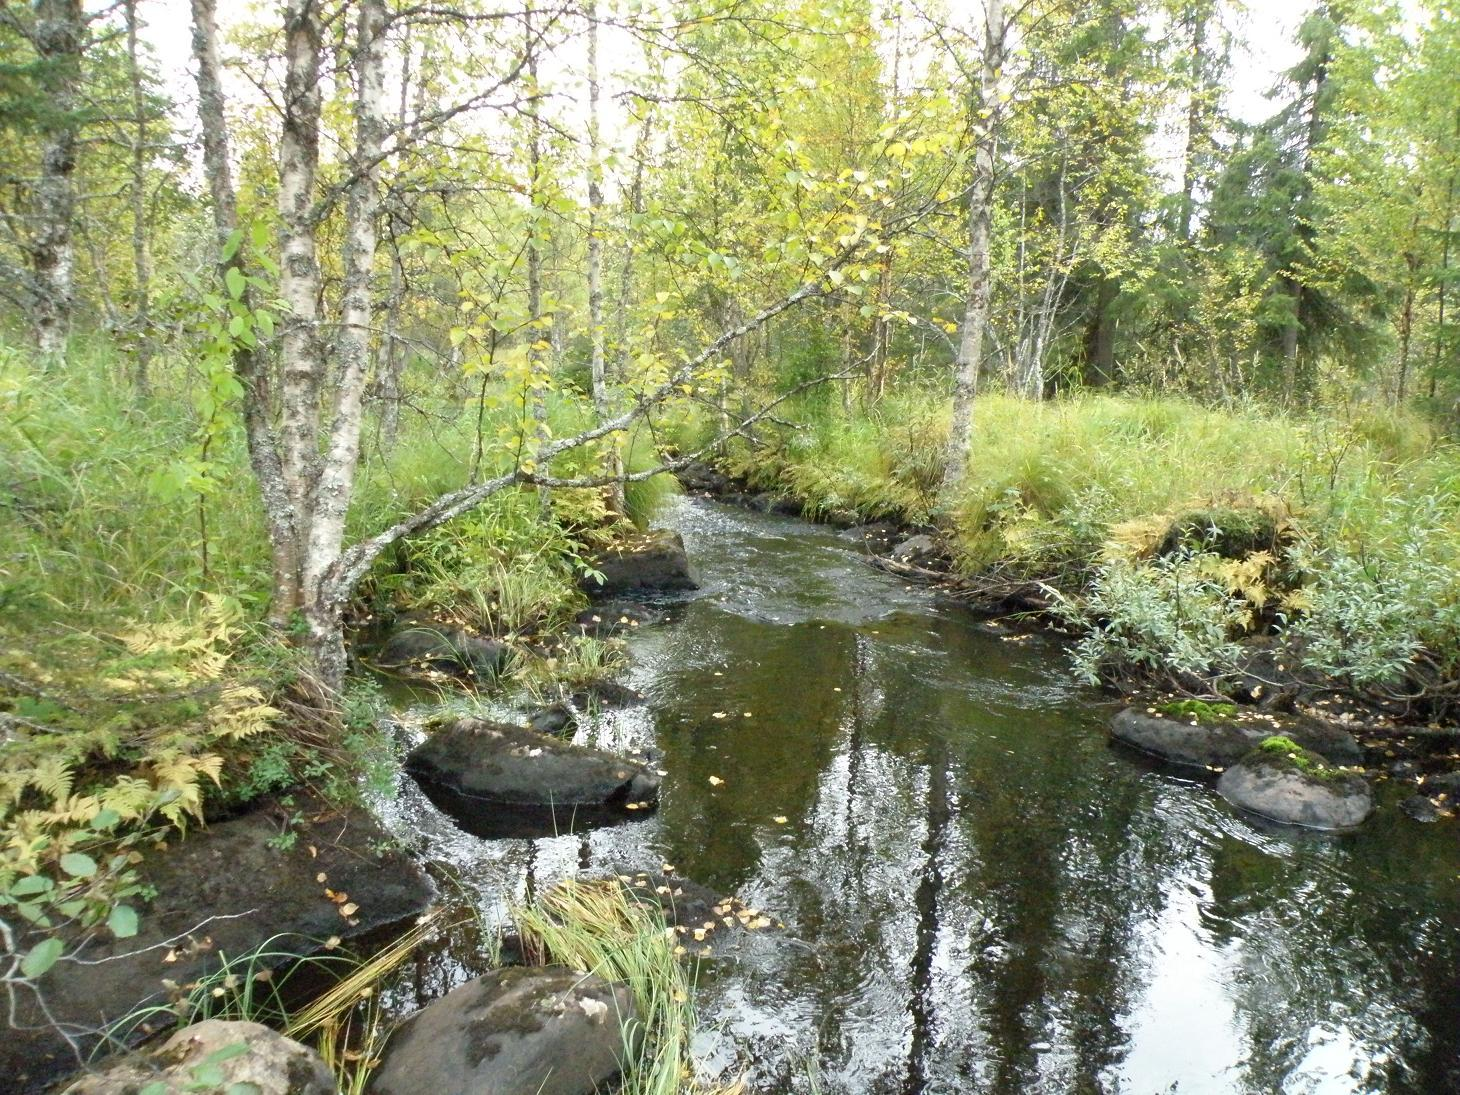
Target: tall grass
344,1020
594,927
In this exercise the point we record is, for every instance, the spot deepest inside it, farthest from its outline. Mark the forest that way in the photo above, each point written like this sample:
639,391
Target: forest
434,388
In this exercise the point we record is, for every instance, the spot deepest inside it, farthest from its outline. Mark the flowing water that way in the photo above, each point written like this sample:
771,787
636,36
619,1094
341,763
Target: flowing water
980,894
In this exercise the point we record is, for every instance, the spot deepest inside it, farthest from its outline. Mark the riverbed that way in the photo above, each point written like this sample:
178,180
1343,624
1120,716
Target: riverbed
979,893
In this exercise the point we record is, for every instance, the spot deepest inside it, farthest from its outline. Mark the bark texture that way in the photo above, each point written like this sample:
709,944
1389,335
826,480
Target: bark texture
980,228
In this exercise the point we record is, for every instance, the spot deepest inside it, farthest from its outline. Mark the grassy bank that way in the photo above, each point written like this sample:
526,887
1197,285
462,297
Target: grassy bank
139,689
1170,535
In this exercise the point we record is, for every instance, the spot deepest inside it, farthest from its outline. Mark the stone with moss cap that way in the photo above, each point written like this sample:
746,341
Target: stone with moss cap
1285,782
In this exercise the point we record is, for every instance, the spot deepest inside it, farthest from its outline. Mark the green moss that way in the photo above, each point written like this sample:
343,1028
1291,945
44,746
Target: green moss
1282,750
1200,710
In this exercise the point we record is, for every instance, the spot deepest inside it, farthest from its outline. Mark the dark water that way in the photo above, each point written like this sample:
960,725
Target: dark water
980,893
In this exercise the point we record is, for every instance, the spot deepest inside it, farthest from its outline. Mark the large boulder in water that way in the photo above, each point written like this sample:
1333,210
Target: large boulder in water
1183,741
424,648
502,780
1285,782
654,562
514,1031
1204,740
276,873
215,1055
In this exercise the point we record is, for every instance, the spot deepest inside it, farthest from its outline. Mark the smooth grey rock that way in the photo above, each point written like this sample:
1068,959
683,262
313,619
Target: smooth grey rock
502,780
226,889
1276,788
425,647
515,1031
216,1055
654,562
1206,745
916,549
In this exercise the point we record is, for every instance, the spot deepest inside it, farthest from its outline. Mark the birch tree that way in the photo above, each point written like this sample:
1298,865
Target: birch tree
984,131
58,35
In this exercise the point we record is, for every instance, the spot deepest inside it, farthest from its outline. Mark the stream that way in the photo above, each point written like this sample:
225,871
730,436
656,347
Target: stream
980,893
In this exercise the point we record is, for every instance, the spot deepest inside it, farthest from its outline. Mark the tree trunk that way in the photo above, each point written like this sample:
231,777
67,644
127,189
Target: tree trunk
324,602
537,362
300,357
601,402
141,264
247,364
393,349
980,227
1195,122
58,38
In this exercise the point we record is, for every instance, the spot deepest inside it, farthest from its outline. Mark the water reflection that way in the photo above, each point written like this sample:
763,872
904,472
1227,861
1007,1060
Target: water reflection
980,895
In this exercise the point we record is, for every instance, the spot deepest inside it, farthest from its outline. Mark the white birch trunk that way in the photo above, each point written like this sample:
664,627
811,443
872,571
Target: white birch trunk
300,362
335,484
980,227
601,402
262,445
58,35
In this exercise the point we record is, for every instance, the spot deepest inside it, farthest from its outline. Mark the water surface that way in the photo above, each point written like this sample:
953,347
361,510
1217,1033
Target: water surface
980,893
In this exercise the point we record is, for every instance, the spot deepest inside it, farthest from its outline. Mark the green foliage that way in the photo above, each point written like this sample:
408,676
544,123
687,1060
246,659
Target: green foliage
1200,710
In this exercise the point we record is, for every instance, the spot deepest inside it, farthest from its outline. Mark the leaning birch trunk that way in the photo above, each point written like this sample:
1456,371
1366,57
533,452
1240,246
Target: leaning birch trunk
300,365
263,450
324,600
58,41
980,224
601,404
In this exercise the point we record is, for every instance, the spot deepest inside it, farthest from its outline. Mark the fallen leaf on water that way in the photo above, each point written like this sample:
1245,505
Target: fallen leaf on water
718,715
321,877
349,910
715,781
780,819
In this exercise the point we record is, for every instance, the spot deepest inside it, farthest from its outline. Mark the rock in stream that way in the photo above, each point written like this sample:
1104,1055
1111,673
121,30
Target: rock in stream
654,562
514,1031
1301,791
499,780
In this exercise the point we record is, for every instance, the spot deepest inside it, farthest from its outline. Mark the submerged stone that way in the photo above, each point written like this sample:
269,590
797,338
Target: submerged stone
613,618
654,562
496,779
516,1031
232,1056
916,549
1282,781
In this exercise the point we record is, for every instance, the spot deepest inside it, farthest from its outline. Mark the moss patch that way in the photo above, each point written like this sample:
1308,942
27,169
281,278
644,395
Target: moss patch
1200,710
1285,752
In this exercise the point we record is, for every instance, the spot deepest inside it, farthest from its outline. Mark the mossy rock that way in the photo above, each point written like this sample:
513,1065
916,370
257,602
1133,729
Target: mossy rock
1285,782
1233,532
